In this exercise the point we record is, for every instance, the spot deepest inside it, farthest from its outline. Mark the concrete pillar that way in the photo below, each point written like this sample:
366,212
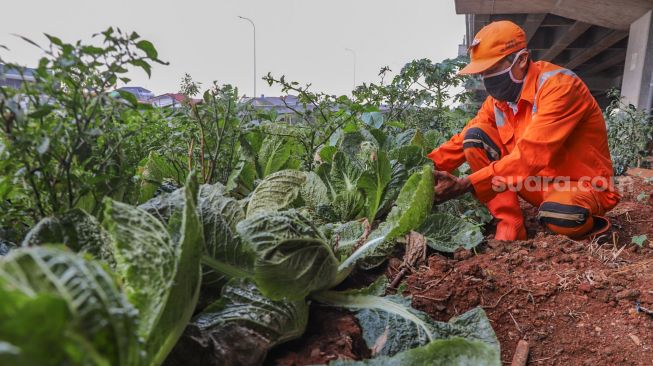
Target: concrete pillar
637,83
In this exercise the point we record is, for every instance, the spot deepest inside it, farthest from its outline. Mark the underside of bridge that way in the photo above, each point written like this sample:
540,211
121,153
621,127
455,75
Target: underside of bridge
609,44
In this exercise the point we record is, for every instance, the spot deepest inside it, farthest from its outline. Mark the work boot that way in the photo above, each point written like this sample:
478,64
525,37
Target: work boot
505,208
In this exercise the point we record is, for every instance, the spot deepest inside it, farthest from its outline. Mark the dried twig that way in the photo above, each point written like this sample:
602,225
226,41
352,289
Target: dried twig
499,300
515,321
437,282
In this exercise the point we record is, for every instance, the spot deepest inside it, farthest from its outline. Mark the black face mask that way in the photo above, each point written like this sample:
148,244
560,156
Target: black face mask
502,85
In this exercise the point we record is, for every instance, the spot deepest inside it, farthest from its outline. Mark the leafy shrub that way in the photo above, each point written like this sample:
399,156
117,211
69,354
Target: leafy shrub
630,132
71,138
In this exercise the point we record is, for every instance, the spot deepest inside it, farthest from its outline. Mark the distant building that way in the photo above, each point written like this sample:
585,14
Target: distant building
11,77
142,95
173,100
285,106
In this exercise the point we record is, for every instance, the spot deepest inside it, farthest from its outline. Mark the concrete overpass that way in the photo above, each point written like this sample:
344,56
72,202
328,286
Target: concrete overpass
608,43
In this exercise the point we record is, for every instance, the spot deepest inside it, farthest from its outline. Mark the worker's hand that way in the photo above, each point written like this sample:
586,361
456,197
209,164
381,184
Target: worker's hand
448,186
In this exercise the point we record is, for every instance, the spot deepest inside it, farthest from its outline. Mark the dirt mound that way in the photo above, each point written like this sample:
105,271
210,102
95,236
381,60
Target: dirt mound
574,301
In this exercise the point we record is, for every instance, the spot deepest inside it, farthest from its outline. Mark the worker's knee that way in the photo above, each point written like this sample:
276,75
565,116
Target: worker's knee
477,138
570,220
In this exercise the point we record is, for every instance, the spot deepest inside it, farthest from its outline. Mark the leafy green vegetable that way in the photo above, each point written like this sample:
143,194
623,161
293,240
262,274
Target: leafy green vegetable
443,352
240,327
185,287
374,183
219,215
344,174
413,205
155,171
76,229
446,233
276,192
292,258
145,258
161,275
68,301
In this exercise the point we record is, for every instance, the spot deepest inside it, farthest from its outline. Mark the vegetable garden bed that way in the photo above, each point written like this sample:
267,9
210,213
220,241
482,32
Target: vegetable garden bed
574,301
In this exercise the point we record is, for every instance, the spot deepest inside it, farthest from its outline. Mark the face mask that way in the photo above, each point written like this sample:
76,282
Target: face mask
502,85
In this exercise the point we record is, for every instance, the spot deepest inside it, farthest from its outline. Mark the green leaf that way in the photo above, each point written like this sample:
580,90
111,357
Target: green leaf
143,65
374,184
345,238
276,192
240,327
219,216
443,352
77,230
413,203
390,325
43,111
92,50
327,152
314,192
292,257
344,173
446,233
409,155
398,178
184,291
86,312
156,170
55,40
418,139
347,205
129,97
639,240
466,207
241,180
273,155
352,142
148,48
145,258
374,119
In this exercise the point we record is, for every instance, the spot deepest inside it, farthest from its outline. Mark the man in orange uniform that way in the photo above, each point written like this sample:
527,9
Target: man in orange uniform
539,134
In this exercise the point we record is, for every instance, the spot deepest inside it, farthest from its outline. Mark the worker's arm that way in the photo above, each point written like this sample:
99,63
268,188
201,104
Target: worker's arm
560,107
450,155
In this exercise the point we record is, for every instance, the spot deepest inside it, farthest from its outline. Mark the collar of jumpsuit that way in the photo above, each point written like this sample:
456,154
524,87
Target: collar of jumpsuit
556,130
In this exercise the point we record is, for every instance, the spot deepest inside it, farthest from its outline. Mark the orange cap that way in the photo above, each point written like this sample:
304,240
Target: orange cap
492,43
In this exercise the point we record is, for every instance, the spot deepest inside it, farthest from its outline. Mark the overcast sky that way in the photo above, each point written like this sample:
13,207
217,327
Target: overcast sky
303,39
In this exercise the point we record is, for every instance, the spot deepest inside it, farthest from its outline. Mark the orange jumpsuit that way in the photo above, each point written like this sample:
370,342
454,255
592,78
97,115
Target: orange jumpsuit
555,133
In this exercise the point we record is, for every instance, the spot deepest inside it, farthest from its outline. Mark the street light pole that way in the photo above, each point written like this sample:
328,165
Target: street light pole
353,53
254,26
